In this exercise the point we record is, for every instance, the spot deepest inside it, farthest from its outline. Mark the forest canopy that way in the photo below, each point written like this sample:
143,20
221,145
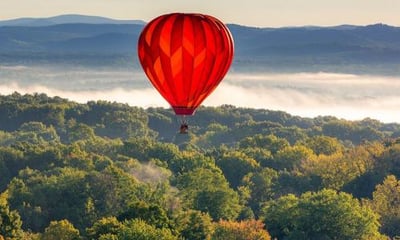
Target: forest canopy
106,170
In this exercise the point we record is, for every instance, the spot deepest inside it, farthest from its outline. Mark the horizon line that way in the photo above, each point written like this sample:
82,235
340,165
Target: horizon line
228,23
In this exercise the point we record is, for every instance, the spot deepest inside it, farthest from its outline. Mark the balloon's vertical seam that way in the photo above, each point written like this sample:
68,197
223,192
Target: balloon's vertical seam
212,68
201,75
194,77
148,57
209,67
166,64
184,65
226,51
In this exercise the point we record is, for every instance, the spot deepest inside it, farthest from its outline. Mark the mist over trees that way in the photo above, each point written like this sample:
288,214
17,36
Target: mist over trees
105,170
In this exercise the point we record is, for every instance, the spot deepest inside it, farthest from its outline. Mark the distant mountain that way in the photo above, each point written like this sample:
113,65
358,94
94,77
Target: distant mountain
358,49
69,38
64,19
344,48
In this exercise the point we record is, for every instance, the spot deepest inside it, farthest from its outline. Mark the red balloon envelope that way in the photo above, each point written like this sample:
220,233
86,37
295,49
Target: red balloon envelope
185,56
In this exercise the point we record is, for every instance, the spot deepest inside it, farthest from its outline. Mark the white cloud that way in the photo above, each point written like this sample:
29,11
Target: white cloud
352,97
135,97
346,96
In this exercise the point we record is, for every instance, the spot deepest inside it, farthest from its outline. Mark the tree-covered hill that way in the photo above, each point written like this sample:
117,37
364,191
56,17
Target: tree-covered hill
104,170
99,42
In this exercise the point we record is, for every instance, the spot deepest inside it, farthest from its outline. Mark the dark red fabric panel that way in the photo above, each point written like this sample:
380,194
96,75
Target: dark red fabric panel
185,56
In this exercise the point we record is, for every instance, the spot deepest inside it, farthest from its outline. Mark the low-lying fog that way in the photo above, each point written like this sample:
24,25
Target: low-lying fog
352,97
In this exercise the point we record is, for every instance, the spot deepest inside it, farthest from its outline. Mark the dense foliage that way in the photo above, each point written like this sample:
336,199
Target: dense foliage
106,170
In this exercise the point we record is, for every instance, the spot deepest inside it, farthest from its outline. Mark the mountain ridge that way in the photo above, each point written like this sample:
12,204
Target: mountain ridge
343,48
65,19
91,19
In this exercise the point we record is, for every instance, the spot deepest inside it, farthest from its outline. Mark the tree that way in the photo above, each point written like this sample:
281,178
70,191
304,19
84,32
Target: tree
235,165
280,216
207,190
290,158
386,202
140,230
322,215
11,161
103,227
340,129
339,169
39,131
60,230
10,222
82,197
261,185
188,161
261,155
151,213
332,169
270,142
79,131
113,189
138,148
291,134
219,203
195,225
389,161
69,192
324,145
371,169
244,230
124,122
6,138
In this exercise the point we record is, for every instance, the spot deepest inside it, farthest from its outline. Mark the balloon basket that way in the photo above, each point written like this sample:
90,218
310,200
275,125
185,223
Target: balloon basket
184,128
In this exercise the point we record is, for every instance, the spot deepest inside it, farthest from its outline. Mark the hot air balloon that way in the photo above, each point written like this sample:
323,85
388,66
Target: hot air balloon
185,56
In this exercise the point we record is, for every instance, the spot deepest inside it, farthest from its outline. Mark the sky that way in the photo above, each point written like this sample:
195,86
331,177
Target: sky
259,13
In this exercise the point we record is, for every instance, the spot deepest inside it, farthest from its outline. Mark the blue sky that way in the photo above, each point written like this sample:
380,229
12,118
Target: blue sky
261,13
